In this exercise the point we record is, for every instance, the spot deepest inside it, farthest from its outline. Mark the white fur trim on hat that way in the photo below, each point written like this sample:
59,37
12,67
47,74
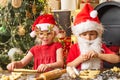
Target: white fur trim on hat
87,26
33,34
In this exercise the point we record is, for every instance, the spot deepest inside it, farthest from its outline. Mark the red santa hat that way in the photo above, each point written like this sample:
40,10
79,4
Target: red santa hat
87,20
44,22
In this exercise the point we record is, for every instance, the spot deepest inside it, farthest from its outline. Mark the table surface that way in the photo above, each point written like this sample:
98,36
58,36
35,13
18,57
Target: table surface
25,75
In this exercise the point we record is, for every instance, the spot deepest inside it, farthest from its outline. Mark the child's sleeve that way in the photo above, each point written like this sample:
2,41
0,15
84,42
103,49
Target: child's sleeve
32,50
73,53
106,50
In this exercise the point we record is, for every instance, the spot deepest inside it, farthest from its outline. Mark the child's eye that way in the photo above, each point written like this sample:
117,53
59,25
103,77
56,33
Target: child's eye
48,33
41,33
84,34
92,34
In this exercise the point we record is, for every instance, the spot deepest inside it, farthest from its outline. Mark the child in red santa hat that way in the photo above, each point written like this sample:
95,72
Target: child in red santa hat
89,52
49,54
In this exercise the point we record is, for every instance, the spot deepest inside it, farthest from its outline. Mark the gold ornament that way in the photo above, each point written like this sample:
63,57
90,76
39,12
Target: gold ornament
73,39
34,8
3,3
28,14
21,30
16,3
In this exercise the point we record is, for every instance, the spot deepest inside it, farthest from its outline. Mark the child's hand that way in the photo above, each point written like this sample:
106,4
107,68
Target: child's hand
11,66
92,54
89,55
42,68
85,57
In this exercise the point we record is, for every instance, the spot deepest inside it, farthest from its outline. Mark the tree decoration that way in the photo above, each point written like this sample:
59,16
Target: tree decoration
15,25
66,43
2,30
21,30
28,14
14,51
3,3
16,3
34,8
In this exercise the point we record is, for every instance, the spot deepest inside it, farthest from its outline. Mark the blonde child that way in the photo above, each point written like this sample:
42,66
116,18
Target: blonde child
49,54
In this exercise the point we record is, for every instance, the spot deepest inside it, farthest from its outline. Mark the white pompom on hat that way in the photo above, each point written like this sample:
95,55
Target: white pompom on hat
43,22
87,20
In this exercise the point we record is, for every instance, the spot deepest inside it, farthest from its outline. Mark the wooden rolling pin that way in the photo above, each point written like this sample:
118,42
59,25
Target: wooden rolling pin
51,74
25,70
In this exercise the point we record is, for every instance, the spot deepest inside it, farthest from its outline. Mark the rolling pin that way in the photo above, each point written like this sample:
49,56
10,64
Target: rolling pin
51,74
25,70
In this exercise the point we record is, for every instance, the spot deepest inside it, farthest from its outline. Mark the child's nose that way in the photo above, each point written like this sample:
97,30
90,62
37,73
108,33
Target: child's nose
45,34
88,37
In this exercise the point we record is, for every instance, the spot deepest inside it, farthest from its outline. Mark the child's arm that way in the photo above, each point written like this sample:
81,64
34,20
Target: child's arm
27,59
59,59
112,58
76,61
20,64
109,55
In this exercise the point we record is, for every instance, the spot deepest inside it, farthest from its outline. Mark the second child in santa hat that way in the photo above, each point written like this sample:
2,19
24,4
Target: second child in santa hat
49,54
89,52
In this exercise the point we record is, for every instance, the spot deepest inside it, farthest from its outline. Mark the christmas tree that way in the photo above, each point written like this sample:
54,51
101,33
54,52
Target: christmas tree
16,19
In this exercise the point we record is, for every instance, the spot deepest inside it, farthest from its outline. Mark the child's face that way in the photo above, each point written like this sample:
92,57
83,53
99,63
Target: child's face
89,35
46,37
